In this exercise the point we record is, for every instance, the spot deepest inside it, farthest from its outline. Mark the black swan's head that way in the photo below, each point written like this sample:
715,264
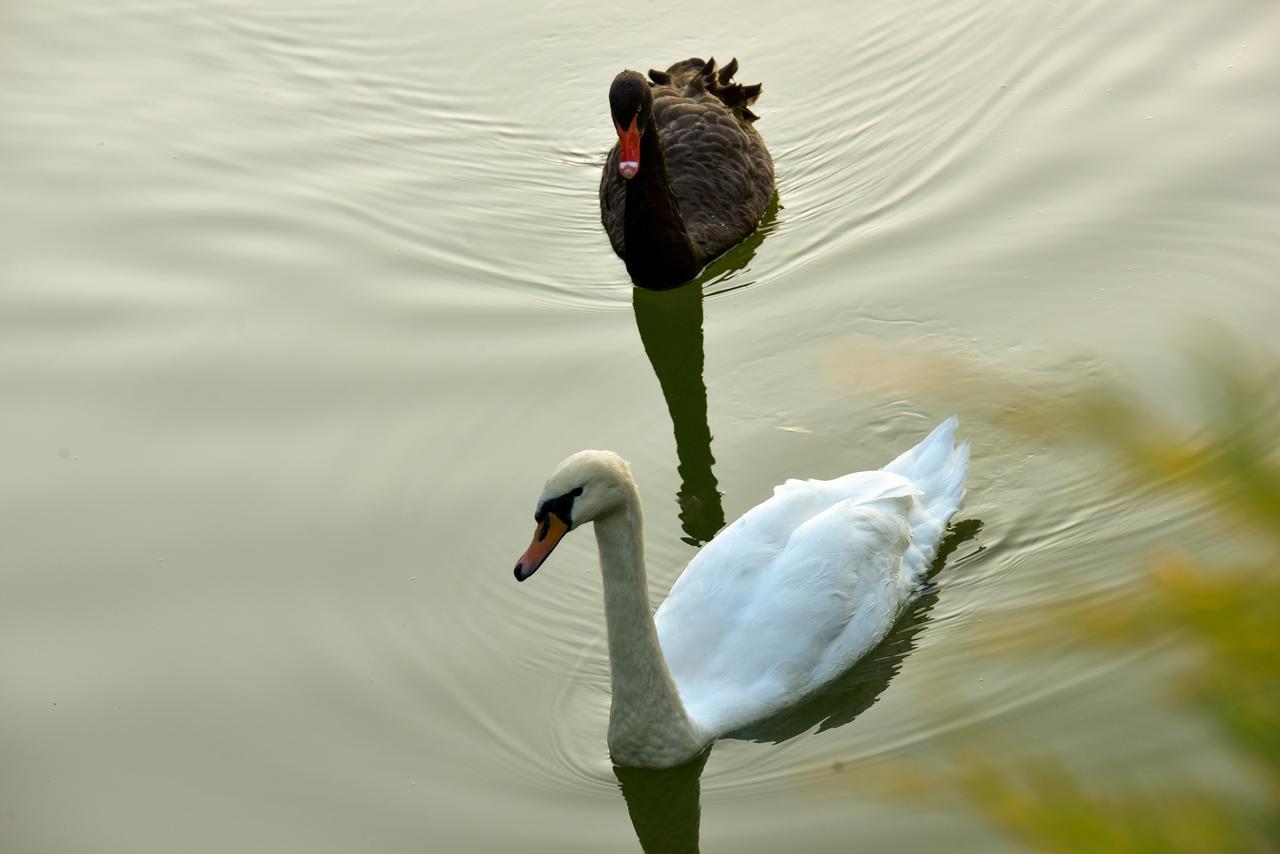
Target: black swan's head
631,103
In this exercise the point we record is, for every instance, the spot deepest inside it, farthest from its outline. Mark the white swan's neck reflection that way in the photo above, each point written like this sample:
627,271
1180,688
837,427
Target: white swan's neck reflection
665,804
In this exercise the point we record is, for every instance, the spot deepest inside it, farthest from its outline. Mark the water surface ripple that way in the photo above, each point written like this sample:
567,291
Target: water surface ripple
300,304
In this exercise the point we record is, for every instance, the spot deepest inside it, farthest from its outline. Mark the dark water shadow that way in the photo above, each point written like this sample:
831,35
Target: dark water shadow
665,805
670,325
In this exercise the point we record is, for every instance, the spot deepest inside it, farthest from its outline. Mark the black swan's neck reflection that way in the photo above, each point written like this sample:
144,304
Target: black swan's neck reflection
670,325
665,806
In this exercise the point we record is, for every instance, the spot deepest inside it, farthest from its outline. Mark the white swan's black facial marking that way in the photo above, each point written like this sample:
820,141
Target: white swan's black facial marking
561,505
555,519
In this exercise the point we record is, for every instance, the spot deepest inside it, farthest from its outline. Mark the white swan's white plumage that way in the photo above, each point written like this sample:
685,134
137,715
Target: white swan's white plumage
777,605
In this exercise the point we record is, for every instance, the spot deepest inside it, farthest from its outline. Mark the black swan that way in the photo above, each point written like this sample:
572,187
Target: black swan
690,177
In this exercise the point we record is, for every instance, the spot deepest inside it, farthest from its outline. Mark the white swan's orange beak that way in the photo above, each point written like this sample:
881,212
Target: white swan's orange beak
549,534
628,149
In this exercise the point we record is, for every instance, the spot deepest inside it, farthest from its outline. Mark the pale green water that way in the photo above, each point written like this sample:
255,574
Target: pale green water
299,305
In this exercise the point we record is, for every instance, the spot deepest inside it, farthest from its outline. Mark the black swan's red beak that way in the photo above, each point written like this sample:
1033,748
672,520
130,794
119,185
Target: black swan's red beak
628,149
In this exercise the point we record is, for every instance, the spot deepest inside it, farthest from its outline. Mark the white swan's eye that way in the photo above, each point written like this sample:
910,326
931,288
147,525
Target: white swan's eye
561,506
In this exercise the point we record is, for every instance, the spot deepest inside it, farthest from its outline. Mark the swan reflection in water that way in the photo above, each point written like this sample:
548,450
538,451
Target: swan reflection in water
670,325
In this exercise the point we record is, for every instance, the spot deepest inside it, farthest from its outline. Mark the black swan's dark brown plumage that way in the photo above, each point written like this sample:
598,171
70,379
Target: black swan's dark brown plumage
704,177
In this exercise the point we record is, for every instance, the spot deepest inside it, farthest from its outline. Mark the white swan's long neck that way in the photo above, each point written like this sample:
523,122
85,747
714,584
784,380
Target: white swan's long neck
648,725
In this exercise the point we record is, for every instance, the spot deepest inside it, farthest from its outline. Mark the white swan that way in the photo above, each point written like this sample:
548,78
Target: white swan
781,602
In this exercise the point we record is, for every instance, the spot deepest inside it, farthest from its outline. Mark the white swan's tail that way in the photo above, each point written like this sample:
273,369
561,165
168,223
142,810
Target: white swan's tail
937,466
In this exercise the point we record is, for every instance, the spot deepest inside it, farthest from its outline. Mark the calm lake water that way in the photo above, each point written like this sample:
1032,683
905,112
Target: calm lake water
301,302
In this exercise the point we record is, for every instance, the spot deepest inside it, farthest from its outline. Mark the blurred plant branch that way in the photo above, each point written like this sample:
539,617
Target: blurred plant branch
1224,611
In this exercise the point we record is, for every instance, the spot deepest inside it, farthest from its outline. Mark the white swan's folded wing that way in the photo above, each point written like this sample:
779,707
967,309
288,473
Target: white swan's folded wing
749,630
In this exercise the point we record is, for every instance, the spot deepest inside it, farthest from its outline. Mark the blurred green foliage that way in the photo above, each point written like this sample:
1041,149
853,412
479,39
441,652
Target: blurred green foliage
1223,611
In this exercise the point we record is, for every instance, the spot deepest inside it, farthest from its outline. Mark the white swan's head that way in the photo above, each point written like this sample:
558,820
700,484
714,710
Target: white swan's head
584,487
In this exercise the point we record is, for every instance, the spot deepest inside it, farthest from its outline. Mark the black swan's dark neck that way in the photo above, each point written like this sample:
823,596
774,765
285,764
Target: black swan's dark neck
659,252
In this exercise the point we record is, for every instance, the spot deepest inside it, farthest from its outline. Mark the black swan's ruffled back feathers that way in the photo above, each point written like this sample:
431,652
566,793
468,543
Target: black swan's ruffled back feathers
693,76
